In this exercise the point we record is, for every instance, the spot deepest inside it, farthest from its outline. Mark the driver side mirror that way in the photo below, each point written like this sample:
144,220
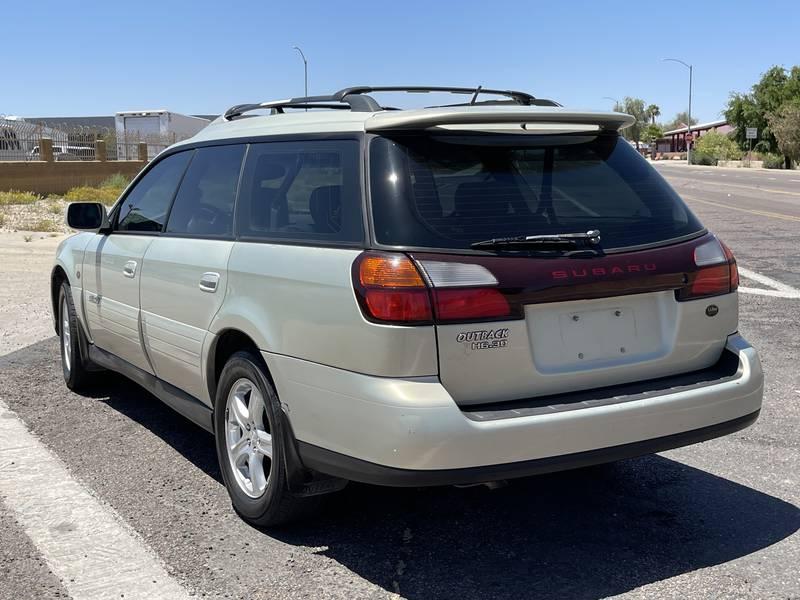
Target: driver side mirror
87,216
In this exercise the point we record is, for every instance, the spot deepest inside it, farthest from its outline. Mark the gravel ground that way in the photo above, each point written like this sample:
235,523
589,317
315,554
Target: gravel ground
25,266
42,216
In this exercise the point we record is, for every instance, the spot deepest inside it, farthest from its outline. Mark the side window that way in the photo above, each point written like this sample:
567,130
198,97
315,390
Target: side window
145,207
205,200
302,191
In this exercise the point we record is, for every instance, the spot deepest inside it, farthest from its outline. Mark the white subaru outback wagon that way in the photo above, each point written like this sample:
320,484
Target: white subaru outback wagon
340,290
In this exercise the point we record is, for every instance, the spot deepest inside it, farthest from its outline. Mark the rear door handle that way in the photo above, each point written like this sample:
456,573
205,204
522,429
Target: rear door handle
208,282
129,270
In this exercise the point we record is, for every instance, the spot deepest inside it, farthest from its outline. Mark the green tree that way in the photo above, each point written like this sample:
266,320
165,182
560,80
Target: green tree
785,126
653,111
718,146
636,108
652,132
680,120
776,88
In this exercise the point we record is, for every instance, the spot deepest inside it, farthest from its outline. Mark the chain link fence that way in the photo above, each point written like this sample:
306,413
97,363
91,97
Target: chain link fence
22,141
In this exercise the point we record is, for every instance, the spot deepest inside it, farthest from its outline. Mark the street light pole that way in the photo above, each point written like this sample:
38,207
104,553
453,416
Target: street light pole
305,70
689,116
616,102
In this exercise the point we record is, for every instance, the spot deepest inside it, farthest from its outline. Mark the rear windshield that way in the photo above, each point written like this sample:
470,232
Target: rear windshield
448,191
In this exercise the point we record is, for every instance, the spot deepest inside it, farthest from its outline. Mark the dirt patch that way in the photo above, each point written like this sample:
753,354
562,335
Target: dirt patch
25,313
46,215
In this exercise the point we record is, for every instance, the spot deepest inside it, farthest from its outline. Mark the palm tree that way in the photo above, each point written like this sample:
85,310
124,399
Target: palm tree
654,111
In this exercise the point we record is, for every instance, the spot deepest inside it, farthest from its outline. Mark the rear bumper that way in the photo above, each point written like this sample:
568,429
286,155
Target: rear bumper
354,469
410,431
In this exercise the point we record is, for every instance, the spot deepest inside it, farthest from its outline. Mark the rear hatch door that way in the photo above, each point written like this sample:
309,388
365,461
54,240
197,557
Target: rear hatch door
575,319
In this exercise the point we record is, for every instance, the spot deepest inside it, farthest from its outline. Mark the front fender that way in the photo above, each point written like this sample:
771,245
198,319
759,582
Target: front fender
68,263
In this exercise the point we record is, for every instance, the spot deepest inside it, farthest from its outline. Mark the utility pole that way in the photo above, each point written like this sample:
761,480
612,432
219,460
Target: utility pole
617,103
689,118
305,70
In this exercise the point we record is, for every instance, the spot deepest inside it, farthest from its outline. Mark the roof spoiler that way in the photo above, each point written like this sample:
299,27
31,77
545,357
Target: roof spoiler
432,117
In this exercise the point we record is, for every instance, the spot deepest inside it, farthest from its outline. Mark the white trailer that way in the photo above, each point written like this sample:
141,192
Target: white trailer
159,128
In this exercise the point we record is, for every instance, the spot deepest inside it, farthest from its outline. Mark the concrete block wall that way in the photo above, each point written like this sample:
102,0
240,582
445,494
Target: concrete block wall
42,177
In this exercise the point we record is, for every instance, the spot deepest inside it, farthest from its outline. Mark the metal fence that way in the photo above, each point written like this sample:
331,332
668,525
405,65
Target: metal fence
22,141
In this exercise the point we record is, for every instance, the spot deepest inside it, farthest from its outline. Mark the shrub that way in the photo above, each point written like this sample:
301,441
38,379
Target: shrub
773,161
116,181
106,195
704,159
40,225
14,197
717,146
2,219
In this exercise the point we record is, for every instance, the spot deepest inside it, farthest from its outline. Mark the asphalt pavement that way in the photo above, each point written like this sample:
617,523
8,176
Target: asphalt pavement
714,520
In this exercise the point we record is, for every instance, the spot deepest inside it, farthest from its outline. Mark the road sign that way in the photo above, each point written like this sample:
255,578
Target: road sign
751,133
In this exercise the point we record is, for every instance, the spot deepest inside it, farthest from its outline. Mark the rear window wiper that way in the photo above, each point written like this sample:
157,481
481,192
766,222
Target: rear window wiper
556,241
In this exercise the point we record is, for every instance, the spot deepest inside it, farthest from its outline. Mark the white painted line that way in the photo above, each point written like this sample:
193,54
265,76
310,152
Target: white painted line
771,293
779,290
795,180
769,281
85,543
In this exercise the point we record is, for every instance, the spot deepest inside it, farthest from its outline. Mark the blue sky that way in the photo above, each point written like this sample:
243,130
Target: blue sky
88,58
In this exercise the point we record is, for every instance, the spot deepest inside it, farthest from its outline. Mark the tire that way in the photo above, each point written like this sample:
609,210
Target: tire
251,444
73,364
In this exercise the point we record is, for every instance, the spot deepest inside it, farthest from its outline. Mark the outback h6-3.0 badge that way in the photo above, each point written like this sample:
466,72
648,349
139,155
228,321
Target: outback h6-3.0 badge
484,339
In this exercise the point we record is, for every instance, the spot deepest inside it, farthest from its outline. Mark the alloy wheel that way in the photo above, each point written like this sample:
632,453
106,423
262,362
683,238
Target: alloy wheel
66,336
248,437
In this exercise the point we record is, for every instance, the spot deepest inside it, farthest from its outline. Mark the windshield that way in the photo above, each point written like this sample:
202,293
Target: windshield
449,191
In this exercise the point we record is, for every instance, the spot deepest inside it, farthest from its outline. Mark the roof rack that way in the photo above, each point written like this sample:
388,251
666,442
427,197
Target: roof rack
358,100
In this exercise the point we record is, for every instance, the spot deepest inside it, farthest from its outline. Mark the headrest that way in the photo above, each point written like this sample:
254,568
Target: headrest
325,205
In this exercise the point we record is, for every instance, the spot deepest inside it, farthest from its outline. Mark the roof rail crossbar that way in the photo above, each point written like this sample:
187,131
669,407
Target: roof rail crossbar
522,98
355,103
357,99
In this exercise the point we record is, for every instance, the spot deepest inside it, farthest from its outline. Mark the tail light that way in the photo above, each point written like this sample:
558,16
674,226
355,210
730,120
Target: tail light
734,270
716,272
391,288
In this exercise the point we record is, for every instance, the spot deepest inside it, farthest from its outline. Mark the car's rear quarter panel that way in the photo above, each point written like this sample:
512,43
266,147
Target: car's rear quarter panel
298,301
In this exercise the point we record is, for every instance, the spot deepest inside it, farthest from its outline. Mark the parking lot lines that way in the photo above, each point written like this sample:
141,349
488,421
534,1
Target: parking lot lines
778,289
85,543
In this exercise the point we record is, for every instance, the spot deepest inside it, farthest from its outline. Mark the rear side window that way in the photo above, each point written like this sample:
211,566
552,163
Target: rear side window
205,200
302,191
146,205
449,191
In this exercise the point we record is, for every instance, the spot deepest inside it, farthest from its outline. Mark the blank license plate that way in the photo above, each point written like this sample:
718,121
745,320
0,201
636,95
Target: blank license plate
598,334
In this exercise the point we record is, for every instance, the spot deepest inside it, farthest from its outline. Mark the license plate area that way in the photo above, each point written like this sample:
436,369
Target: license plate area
592,335
561,344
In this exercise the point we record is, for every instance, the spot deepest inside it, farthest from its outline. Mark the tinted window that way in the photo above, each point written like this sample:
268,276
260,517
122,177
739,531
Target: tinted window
145,207
302,190
450,191
204,204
